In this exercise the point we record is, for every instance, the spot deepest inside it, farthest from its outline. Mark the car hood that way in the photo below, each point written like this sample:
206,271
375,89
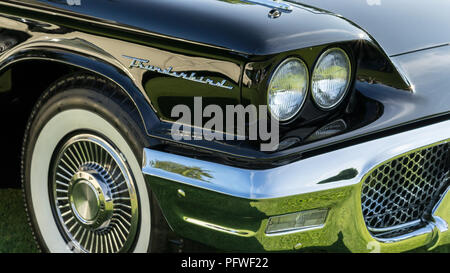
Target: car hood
235,25
398,26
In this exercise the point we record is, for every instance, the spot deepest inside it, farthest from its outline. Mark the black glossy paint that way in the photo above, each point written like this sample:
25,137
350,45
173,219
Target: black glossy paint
398,26
238,42
236,25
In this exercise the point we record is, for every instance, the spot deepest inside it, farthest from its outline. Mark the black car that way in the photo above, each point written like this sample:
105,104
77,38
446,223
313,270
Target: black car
242,125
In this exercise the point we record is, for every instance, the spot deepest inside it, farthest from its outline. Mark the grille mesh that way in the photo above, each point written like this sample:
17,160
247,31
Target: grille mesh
401,190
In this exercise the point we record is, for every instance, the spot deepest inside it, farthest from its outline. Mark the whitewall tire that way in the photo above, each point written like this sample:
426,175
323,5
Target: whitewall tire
81,172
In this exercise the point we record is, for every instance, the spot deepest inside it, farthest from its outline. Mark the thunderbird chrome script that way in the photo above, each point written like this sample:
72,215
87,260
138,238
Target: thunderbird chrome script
144,64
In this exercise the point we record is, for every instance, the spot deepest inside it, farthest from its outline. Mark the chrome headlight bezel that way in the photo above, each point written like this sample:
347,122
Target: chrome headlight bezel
306,89
347,86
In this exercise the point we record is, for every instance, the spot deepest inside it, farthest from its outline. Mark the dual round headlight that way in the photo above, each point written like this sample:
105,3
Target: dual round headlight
289,84
287,89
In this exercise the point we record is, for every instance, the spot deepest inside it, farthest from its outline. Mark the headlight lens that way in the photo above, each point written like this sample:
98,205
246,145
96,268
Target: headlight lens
331,78
287,89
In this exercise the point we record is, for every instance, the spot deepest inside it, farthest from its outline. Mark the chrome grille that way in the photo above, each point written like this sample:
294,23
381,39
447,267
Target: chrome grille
401,190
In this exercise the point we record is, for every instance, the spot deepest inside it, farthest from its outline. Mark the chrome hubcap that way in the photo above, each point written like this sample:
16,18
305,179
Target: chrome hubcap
90,197
94,195
85,201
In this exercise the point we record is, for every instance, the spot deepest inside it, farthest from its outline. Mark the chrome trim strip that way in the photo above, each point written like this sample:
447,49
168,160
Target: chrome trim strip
428,229
440,223
439,203
304,176
292,231
387,229
242,233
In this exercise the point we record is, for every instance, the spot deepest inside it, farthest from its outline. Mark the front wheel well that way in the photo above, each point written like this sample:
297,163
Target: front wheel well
21,84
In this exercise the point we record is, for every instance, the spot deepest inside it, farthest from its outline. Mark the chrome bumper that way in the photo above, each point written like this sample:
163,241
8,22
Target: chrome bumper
232,205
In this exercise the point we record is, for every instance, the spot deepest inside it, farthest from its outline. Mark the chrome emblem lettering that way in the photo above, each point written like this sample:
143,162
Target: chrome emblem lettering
144,64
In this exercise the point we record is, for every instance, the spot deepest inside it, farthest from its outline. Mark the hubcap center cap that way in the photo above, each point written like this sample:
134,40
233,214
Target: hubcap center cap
86,202
91,199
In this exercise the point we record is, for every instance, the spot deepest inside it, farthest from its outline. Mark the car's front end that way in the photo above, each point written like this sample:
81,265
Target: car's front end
368,173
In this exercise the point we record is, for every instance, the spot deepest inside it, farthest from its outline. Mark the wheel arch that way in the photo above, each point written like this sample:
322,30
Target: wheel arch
35,69
75,61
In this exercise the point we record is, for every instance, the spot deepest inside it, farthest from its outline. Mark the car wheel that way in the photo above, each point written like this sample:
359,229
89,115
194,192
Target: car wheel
81,173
